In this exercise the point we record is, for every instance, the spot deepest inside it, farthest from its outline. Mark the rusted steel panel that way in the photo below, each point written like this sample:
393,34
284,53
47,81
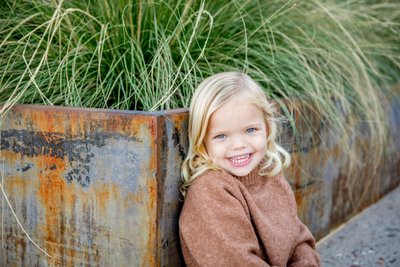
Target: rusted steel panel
326,192
173,148
82,183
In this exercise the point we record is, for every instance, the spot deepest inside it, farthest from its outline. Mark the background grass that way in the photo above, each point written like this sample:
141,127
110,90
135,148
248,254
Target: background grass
342,56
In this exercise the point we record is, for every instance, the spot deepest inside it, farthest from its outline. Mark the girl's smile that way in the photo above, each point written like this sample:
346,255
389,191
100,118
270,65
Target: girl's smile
236,137
240,161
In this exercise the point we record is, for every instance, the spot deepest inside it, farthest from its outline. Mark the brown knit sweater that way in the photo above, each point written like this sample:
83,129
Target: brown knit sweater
243,221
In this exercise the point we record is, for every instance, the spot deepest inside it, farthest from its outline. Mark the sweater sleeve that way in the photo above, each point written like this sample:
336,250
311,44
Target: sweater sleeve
215,228
304,253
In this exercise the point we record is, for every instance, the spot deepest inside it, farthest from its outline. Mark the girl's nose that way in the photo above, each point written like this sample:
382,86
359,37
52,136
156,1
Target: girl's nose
238,143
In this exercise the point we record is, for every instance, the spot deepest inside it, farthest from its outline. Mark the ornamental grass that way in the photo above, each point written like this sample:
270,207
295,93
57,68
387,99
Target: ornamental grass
341,56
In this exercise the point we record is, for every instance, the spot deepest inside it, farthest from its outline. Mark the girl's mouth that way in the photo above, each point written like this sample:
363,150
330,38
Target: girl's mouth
240,161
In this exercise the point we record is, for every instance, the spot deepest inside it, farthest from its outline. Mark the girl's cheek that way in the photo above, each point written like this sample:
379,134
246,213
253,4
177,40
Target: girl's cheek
219,148
216,145
212,145
261,140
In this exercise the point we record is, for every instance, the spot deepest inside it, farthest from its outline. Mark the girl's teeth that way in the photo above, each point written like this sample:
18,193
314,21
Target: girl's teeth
240,159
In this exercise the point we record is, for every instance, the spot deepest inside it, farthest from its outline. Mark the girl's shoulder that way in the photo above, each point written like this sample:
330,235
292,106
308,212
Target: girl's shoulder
213,177
280,182
212,182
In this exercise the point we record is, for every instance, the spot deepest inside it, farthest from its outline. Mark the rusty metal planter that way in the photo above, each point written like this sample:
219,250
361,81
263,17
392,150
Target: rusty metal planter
101,187
92,187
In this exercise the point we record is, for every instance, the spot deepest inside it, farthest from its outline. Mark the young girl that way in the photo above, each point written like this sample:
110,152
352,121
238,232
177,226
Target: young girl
239,210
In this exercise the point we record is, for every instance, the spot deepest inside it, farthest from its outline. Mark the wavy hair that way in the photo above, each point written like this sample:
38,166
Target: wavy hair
211,94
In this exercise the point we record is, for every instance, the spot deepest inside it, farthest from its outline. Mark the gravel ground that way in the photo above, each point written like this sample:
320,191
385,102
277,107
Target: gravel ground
370,239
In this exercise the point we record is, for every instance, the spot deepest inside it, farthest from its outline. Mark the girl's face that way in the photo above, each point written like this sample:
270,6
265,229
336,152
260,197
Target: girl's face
236,137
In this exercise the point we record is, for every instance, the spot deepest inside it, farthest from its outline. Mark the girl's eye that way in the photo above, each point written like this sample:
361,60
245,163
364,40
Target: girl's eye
220,136
251,130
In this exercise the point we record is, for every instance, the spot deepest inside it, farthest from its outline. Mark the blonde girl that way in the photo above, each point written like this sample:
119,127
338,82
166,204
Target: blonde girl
239,210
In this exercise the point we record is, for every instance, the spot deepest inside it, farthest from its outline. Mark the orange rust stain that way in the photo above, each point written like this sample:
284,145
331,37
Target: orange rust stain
153,127
124,124
59,200
179,120
10,157
103,195
152,162
77,124
17,181
51,192
17,184
294,172
45,121
131,199
137,122
150,256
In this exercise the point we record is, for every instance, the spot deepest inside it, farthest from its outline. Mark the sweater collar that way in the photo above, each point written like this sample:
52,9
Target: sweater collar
250,178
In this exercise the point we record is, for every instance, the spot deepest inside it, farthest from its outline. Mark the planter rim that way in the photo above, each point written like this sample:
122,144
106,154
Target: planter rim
104,110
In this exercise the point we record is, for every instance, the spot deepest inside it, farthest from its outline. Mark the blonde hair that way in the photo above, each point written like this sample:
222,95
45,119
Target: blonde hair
211,94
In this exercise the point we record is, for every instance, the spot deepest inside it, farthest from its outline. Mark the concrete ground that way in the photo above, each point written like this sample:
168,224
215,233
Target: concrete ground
372,238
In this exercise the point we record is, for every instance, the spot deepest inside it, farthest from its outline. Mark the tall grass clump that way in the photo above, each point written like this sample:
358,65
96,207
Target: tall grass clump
150,55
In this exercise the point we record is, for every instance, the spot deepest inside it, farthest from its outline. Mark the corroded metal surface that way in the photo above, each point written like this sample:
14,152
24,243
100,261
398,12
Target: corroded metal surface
101,187
82,183
327,193
173,145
